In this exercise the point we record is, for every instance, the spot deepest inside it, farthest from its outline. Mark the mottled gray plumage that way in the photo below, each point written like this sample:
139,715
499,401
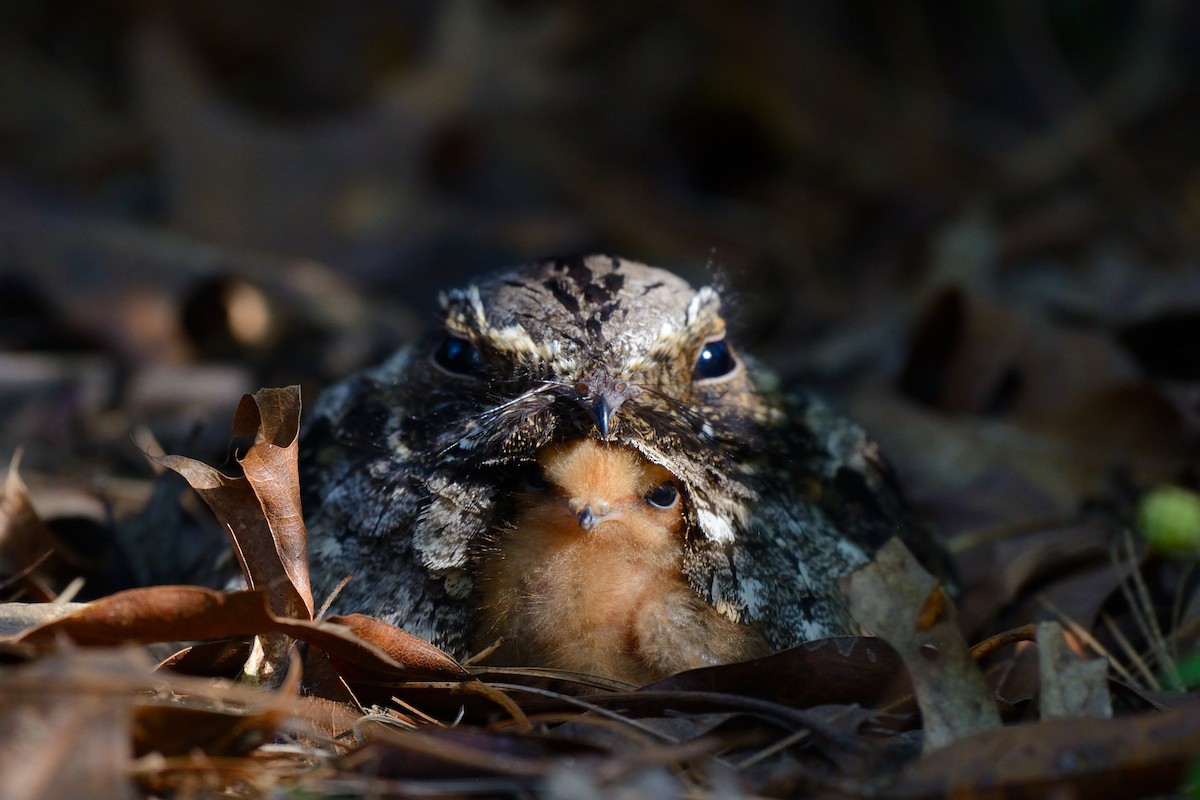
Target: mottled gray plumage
409,467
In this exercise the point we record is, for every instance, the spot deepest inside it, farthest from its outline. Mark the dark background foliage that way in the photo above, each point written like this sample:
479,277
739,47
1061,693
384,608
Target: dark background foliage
983,209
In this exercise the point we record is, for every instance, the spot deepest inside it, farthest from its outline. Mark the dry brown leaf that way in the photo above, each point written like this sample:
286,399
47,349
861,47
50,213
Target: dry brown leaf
1001,413
323,681
450,752
183,613
841,670
261,512
65,734
970,354
73,721
221,659
176,730
31,555
271,465
331,719
1140,756
887,597
183,724
415,653
1067,563
157,614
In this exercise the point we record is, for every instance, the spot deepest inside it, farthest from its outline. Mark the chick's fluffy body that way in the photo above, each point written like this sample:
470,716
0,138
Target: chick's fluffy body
412,468
589,577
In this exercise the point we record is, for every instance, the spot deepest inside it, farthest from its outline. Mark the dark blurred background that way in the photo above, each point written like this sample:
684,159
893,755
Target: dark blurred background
978,214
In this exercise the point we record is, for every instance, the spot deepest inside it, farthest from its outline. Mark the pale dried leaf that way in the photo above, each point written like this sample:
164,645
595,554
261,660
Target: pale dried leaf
895,598
18,617
1069,686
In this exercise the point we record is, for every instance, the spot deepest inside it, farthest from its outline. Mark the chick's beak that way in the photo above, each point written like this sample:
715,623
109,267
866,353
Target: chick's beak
590,514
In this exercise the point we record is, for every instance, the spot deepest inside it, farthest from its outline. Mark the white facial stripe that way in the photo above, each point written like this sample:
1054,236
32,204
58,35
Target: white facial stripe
703,306
466,316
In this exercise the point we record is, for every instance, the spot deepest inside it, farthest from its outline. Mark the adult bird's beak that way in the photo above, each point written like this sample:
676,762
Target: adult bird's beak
601,397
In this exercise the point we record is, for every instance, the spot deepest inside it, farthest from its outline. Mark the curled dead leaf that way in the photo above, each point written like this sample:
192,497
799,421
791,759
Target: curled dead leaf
193,613
261,512
31,554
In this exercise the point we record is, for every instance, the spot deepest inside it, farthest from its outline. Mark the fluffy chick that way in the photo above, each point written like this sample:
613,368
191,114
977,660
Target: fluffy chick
588,578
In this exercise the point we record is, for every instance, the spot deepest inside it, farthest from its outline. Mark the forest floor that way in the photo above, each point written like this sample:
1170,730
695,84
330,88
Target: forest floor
975,229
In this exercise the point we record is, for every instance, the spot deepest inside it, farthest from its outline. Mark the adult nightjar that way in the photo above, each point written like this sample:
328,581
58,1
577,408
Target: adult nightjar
462,481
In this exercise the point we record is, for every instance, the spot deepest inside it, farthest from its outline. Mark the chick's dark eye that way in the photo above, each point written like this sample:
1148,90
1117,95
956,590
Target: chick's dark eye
459,356
535,479
664,496
716,359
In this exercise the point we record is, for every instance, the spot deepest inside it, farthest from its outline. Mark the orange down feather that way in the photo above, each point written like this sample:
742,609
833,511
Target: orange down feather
588,578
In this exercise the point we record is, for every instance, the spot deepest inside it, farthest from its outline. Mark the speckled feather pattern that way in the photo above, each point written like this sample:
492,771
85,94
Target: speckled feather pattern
408,468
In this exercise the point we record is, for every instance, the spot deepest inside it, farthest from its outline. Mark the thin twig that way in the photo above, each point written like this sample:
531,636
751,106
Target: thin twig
1177,608
592,707
1153,631
575,678
782,744
1025,633
1131,653
332,596
70,591
418,713
26,571
475,658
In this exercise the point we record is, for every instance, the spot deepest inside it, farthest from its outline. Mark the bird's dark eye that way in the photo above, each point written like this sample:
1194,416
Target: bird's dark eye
664,496
716,359
459,356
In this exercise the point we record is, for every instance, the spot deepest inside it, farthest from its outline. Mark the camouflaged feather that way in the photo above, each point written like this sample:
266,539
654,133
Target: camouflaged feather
409,468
